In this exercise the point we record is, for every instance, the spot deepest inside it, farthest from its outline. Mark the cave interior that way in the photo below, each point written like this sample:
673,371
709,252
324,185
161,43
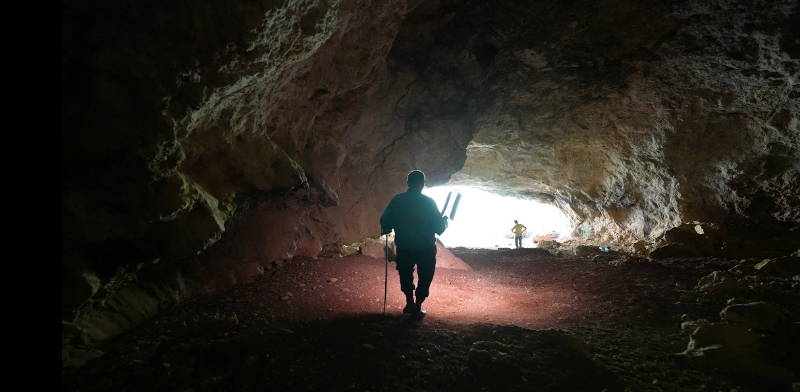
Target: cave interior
207,144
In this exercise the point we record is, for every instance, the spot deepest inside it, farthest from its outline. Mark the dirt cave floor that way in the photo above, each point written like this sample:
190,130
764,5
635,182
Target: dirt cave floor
521,320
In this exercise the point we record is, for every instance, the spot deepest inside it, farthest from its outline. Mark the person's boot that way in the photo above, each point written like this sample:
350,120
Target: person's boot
418,311
410,307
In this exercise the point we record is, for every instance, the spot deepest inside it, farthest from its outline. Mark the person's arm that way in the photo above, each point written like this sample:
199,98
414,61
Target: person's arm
439,222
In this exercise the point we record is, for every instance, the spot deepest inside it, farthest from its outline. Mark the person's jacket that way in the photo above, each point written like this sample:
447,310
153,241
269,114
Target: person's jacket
415,219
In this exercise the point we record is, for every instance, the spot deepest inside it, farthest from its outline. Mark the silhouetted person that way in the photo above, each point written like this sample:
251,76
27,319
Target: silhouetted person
518,229
416,220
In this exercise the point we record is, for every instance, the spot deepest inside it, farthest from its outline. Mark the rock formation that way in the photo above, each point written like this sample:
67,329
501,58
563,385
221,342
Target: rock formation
205,143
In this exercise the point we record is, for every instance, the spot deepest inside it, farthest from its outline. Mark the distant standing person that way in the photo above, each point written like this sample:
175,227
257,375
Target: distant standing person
415,219
518,229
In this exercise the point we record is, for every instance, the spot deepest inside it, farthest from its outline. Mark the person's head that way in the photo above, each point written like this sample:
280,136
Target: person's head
516,221
416,179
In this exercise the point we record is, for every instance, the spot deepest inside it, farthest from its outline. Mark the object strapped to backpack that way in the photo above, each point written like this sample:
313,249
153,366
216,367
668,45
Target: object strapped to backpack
455,204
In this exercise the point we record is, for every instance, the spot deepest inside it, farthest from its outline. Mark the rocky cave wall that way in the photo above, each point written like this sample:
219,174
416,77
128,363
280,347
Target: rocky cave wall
205,143
635,117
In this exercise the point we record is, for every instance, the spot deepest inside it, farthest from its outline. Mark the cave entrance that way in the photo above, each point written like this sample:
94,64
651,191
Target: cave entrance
484,219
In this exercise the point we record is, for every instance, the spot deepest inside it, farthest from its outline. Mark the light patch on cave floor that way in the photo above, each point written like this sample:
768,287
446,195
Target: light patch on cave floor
484,219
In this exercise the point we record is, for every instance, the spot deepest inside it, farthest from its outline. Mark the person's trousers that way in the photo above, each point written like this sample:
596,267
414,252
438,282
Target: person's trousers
517,241
425,261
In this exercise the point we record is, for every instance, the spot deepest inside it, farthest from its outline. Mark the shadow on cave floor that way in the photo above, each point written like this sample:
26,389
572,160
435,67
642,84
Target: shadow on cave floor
519,321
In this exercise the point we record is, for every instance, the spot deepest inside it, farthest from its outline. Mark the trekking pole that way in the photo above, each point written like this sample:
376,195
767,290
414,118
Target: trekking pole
386,273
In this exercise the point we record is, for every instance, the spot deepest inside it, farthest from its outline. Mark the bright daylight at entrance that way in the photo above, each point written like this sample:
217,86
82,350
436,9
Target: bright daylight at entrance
484,219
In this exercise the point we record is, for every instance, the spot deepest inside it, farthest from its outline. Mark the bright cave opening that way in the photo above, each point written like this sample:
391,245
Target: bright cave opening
484,219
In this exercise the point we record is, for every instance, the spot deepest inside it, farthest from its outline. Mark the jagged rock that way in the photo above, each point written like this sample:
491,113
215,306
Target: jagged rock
77,356
701,235
761,241
548,244
706,240
641,247
350,249
788,266
743,268
585,250
377,250
735,347
502,360
76,346
720,281
444,258
487,358
675,250
756,315
692,325
547,237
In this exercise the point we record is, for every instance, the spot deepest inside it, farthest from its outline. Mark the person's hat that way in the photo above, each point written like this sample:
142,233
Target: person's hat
416,177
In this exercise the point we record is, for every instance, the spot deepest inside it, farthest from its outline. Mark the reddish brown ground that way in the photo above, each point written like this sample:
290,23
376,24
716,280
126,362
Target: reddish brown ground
522,320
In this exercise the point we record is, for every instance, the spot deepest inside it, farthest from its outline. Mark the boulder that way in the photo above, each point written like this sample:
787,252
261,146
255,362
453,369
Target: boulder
548,244
585,250
546,237
641,247
692,325
444,258
697,233
674,250
735,347
373,249
743,268
788,266
756,315
720,281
